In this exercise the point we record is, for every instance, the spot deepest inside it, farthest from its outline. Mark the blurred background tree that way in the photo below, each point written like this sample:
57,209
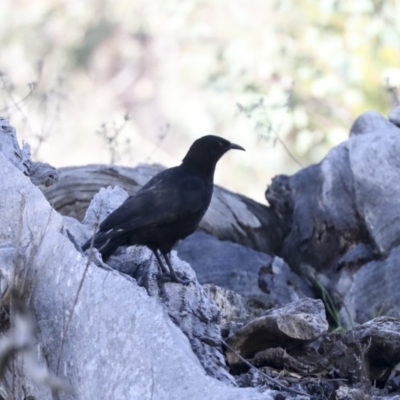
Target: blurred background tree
137,81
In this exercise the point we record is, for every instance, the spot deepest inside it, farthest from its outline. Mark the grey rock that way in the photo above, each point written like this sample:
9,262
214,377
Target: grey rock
223,263
351,197
100,332
393,383
236,311
345,393
43,174
375,167
373,290
296,323
341,214
367,353
358,254
191,309
383,333
9,146
243,270
281,284
232,305
20,348
103,203
75,231
324,215
370,121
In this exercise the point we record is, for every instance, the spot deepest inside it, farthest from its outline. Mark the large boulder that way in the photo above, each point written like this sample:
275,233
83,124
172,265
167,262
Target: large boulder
342,214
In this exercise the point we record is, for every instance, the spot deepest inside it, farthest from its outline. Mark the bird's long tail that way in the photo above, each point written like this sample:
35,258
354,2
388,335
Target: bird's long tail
105,244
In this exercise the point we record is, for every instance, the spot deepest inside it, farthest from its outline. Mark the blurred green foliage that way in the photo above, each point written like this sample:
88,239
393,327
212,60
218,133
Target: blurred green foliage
283,78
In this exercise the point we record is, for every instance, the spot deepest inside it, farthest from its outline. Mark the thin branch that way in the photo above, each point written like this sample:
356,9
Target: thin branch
32,86
89,260
110,135
259,109
71,314
164,130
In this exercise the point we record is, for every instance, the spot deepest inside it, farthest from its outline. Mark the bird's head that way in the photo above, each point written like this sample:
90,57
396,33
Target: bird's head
205,152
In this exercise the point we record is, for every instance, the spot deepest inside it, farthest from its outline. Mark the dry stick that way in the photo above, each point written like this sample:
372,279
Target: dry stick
291,155
269,378
361,360
33,256
16,271
17,267
45,133
89,259
71,314
17,260
32,87
163,135
111,140
16,103
279,127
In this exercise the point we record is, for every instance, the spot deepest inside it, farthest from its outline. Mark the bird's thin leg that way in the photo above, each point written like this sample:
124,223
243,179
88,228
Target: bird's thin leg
172,272
163,268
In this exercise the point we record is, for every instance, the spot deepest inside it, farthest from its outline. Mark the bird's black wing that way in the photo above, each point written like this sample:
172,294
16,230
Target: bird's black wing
169,196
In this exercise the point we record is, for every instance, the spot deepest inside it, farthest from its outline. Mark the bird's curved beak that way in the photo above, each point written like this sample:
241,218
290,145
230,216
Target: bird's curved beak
234,146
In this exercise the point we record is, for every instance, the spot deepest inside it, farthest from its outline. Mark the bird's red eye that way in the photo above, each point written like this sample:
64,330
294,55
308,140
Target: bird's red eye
221,144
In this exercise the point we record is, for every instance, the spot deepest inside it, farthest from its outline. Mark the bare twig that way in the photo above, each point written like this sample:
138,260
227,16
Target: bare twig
164,130
264,122
89,260
361,361
110,134
16,104
54,97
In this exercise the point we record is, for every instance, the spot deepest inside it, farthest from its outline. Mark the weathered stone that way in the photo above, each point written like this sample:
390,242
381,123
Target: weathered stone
223,263
358,254
9,146
367,353
41,174
343,214
393,383
288,327
281,284
370,121
381,339
231,304
372,290
103,203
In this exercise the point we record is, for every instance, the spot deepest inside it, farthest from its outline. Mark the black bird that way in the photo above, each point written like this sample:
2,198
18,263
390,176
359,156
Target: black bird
167,208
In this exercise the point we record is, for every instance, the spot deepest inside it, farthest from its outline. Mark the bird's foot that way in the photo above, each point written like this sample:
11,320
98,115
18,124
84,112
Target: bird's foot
170,278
